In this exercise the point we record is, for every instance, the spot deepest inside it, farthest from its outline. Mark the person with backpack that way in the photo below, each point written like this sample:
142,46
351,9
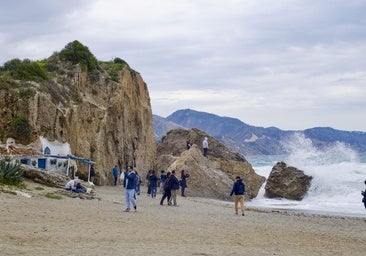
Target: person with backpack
238,190
167,189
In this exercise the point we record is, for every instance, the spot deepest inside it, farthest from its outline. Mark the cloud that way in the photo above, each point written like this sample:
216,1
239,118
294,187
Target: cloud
288,63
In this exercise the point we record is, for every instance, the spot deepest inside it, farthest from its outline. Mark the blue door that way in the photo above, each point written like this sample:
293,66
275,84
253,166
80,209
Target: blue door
42,163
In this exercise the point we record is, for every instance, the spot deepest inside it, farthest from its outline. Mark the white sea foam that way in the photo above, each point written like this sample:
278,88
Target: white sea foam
338,178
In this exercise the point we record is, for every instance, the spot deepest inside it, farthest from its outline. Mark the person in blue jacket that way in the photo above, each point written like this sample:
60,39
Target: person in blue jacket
238,190
174,188
130,186
115,174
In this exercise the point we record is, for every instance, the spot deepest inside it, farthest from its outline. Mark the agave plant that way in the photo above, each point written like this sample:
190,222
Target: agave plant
10,174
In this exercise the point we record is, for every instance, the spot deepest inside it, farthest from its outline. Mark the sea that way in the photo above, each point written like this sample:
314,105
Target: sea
338,175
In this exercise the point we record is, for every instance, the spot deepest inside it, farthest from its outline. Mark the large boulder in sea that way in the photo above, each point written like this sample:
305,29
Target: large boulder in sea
287,182
211,176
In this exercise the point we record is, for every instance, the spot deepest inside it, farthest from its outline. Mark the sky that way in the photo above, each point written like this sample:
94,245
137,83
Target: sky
291,64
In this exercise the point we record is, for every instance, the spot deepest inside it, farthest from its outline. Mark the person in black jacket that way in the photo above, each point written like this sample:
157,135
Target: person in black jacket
364,196
167,189
183,182
175,187
238,190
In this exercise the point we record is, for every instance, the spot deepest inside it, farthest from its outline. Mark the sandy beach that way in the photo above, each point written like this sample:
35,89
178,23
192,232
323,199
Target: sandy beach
197,226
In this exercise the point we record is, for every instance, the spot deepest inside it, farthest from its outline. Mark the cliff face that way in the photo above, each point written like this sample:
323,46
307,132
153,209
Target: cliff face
103,111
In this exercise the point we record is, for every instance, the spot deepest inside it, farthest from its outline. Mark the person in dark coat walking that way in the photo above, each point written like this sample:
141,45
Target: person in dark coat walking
238,190
183,182
175,187
153,183
167,189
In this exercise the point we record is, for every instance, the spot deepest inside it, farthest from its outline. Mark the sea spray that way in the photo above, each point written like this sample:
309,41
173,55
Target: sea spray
337,172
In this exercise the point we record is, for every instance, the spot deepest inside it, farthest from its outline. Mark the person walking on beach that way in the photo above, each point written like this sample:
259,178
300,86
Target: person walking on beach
205,146
238,190
183,182
167,189
130,186
162,180
175,187
153,183
115,174
92,174
364,196
138,184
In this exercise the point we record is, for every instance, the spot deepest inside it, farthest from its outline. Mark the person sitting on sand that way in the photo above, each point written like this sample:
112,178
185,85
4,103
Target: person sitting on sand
75,186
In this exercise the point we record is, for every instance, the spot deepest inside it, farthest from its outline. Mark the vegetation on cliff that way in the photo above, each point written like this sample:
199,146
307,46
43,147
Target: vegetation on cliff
21,79
101,108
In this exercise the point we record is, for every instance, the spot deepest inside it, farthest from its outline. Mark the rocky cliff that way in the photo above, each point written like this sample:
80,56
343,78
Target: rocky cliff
102,109
211,176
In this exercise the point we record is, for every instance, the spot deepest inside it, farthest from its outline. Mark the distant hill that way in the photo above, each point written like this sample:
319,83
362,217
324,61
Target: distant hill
161,126
252,140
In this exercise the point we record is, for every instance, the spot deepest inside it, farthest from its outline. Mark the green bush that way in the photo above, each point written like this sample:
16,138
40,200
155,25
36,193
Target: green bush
78,53
25,70
10,174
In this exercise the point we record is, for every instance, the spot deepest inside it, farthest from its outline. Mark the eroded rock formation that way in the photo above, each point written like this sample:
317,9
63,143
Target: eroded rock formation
211,176
287,182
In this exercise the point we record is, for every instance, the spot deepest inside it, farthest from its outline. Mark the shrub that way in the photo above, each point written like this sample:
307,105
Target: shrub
25,70
78,53
10,174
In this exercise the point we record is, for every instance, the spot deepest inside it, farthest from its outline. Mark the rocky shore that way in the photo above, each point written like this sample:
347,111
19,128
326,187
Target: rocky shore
40,225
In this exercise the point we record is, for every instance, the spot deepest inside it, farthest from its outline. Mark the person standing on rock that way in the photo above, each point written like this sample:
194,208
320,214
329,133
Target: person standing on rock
175,187
115,174
238,190
183,182
130,186
188,144
205,146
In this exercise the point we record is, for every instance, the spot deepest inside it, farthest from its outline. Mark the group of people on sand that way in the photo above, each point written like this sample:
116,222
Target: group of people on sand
170,186
168,182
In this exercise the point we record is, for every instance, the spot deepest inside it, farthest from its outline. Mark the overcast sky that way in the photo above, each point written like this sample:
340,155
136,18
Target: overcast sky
289,64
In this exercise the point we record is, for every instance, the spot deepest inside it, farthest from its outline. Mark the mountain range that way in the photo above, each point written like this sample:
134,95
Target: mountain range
251,140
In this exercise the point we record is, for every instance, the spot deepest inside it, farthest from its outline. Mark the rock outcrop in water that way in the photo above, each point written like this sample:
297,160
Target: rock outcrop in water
287,182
